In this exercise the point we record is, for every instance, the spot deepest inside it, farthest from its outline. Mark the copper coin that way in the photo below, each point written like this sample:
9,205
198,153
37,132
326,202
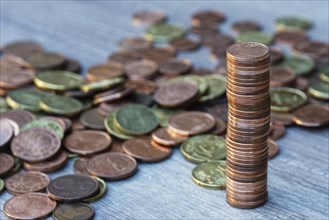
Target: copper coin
284,118
6,132
43,61
142,69
311,116
142,86
21,117
277,55
13,125
87,142
278,131
50,165
105,71
72,188
191,123
220,127
58,120
219,111
112,166
165,138
290,38
77,125
301,83
205,28
117,147
217,41
31,206
185,44
80,166
149,17
142,149
7,163
92,119
105,107
35,145
73,66
125,57
22,48
176,93
247,25
135,43
273,149
247,53
201,71
202,16
282,77
313,49
27,182
175,66
158,55
111,97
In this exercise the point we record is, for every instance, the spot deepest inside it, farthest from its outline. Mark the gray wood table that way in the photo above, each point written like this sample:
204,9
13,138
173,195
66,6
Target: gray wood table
89,31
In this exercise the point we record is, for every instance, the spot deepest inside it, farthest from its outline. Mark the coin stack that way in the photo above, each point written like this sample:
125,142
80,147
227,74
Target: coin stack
248,124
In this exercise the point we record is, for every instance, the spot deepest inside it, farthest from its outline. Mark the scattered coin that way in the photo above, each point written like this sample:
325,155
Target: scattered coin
6,133
43,61
105,71
164,114
255,36
282,117
282,77
314,49
293,24
163,137
319,90
73,211
158,55
7,163
102,85
117,60
113,129
102,190
22,48
48,124
73,66
246,26
175,66
164,32
31,206
278,131
53,164
149,18
61,105
185,44
142,69
92,119
205,28
142,86
135,43
300,65
290,38
324,74
204,16
286,99
273,149
311,116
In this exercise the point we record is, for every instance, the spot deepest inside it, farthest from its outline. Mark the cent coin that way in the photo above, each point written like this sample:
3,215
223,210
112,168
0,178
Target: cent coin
50,165
273,149
21,117
73,211
93,119
7,163
311,116
6,132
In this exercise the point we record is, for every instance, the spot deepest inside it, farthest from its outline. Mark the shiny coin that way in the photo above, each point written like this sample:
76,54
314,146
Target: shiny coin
185,44
31,206
73,211
216,87
87,142
142,149
22,48
191,123
35,144
27,182
50,165
102,191
113,130
135,43
293,23
46,124
135,119
176,94
286,99
143,69
72,188
93,119
273,149
61,105
6,132
163,137
46,61
300,65
149,18
203,148
105,71
311,116
112,166
211,175
164,114
7,163
164,32
246,26
319,90
256,36
207,15
102,85
58,80
175,66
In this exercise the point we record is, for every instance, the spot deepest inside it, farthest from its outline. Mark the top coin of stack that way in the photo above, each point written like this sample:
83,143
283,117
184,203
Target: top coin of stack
248,124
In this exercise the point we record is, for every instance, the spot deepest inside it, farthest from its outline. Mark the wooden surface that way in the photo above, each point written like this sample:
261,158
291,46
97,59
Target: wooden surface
89,32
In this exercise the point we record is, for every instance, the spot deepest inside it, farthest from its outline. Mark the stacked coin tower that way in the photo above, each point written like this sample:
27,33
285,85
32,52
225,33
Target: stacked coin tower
248,124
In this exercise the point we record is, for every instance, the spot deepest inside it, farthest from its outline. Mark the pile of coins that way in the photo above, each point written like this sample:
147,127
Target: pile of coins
144,101
248,67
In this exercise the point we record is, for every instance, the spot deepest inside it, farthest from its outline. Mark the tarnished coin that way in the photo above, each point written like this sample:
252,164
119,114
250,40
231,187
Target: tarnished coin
2,186
61,105
185,44
220,127
135,43
46,61
80,166
53,164
73,211
142,86
205,28
273,149
105,71
176,93
87,142
142,149
191,123
311,116
58,80
282,117
6,132
207,15
164,114
7,163
324,74
255,36
286,99
102,85
112,166
246,25
31,206
158,55
164,32
164,137
113,130
290,38
175,66
277,55
102,190
204,148
278,131
105,108
211,175
93,119
50,125
22,48
200,81
72,188
35,144
16,168
142,69
293,23
149,18
27,182
216,87
121,58
314,49
21,117
282,76
300,65
319,90
135,119
73,66
109,96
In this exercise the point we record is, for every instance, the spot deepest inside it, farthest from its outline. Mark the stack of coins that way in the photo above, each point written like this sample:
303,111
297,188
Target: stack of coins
248,124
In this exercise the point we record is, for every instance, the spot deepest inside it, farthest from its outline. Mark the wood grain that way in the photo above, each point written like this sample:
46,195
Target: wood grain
89,32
